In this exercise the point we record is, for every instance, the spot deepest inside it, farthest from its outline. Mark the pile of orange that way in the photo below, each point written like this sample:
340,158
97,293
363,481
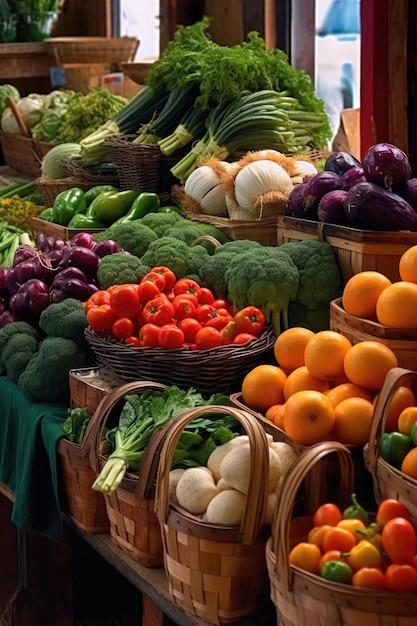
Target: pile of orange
323,386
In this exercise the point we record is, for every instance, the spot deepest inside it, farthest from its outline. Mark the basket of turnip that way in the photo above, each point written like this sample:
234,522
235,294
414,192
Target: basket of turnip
215,518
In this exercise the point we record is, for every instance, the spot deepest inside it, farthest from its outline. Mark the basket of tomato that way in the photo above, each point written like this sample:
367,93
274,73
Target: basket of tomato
175,332
391,453
337,564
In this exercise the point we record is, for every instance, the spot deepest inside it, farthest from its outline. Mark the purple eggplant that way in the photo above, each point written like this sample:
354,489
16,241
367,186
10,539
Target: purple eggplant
51,242
341,162
23,253
331,208
7,317
352,176
317,186
372,207
408,191
4,292
296,201
11,284
386,165
83,258
108,246
30,300
62,288
70,273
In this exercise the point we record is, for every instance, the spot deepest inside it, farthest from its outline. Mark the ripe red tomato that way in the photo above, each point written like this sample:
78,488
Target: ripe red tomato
183,307
133,341
390,508
158,311
327,513
148,335
218,322
148,290
168,275
221,303
190,328
124,300
401,578
100,318
122,328
205,312
205,296
399,540
102,296
186,285
250,319
207,338
369,578
170,337
243,338
155,277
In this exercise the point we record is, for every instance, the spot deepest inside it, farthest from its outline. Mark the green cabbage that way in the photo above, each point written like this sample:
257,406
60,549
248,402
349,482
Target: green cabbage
7,90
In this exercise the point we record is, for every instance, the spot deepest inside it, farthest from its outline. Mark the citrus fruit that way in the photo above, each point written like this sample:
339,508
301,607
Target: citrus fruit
308,416
407,265
401,399
406,420
397,305
324,354
290,345
263,386
361,293
275,414
352,421
347,390
409,464
367,363
300,379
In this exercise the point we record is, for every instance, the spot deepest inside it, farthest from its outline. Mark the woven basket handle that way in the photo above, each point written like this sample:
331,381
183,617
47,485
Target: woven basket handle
281,526
394,379
95,429
24,129
256,498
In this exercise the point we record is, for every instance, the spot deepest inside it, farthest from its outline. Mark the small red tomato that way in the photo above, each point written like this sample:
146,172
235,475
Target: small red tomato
183,307
186,285
369,578
205,312
250,319
401,578
158,311
170,337
133,341
168,275
244,338
190,328
221,303
389,508
207,338
399,540
327,513
122,328
100,318
148,290
156,278
124,300
205,296
148,335
218,322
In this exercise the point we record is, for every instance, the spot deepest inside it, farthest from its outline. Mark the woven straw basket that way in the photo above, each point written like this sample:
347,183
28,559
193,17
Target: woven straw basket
304,599
49,188
134,526
68,50
215,370
388,481
216,572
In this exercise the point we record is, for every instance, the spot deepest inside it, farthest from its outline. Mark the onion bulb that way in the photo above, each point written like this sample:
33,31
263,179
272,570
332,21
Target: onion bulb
204,192
262,188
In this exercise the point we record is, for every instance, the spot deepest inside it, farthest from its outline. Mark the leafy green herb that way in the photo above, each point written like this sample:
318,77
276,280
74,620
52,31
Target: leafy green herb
76,423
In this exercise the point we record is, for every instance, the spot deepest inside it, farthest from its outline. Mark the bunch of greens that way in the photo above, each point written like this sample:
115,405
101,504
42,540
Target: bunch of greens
75,424
143,414
49,127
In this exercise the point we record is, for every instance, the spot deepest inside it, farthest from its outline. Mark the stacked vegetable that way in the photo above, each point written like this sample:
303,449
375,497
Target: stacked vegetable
378,193
345,547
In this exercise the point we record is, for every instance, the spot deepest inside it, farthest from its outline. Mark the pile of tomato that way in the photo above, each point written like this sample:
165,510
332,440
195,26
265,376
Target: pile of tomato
351,550
162,311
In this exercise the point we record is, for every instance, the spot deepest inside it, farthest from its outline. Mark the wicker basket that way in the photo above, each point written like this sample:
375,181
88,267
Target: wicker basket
89,385
137,164
216,572
215,370
49,188
23,154
356,250
68,50
356,329
264,230
303,599
85,173
388,481
134,526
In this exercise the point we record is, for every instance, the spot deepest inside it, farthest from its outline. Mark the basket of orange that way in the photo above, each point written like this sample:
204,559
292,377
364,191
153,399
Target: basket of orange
391,453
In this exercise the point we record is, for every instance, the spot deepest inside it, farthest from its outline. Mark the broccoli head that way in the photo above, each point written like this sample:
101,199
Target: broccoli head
175,254
66,319
189,231
264,277
133,237
20,328
16,354
120,268
161,222
320,277
46,377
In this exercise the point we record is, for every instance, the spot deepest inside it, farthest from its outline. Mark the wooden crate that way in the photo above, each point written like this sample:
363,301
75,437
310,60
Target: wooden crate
356,250
401,341
23,154
44,227
89,385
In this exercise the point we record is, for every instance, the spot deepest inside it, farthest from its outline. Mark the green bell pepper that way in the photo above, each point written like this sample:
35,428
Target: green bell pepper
337,571
67,204
145,203
170,209
91,194
356,511
46,215
394,446
85,222
110,206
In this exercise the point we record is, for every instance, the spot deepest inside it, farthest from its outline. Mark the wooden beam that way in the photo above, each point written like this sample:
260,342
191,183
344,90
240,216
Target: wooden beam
303,27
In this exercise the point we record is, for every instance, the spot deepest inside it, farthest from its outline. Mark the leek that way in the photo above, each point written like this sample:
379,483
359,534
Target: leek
191,125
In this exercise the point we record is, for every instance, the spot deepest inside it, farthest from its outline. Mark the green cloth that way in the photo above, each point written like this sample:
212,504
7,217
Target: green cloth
29,434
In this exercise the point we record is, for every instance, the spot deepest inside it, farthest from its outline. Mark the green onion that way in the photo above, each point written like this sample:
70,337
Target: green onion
18,189
191,125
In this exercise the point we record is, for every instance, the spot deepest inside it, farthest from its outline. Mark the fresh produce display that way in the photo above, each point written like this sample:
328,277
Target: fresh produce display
142,414
216,490
321,386
377,194
213,95
18,203
381,554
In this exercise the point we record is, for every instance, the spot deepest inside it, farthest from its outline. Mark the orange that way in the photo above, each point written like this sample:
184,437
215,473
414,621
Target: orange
407,266
308,416
347,390
352,421
401,399
406,420
368,362
300,379
263,386
275,414
290,345
325,353
397,305
361,293
409,464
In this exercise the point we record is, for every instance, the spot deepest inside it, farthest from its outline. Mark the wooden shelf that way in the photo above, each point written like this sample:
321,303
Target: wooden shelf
23,60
